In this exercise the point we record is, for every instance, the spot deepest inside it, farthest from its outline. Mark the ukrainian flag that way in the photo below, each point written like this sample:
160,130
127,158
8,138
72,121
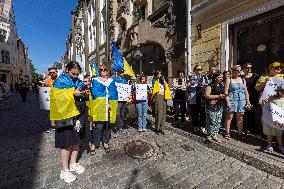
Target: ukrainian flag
62,102
103,94
156,90
120,63
95,70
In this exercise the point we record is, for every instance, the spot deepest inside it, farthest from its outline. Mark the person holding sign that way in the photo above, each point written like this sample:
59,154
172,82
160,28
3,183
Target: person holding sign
274,72
160,95
237,98
269,130
141,95
121,104
63,111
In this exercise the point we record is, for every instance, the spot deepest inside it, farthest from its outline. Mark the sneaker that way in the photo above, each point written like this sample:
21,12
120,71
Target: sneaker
268,149
48,131
67,176
144,130
77,168
209,139
215,138
53,129
140,130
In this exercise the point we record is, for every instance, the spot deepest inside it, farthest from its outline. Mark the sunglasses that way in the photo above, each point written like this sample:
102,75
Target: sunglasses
278,68
248,67
50,73
236,70
199,69
104,70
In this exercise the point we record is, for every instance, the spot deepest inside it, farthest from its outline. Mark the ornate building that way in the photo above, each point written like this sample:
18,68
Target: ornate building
228,32
14,59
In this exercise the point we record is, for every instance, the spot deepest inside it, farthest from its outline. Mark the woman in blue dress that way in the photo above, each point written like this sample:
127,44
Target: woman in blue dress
237,98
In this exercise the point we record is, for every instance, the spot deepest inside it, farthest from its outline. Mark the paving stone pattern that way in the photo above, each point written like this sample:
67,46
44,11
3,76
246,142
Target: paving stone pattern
28,159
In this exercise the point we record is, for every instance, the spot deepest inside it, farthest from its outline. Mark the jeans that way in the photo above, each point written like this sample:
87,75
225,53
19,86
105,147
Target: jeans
179,106
142,108
101,132
120,115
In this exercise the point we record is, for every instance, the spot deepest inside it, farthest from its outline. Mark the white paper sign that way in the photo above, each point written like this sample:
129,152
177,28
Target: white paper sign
141,91
124,91
273,115
270,88
44,99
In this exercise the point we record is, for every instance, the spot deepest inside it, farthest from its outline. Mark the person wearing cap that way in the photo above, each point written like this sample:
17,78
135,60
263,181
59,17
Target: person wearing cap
237,98
269,130
121,104
275,69
251,79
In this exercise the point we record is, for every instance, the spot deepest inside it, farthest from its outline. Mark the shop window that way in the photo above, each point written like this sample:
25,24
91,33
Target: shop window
5,57
157,4
3,35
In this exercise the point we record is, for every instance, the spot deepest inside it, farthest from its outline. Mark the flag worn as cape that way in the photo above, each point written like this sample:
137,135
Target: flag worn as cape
156,90
103,94
62,103
119,62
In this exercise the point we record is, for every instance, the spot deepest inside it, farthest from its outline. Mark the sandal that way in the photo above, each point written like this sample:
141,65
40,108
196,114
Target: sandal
227,136
107,149
92,152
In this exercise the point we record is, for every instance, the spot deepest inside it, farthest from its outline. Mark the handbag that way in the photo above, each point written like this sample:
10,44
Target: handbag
60,124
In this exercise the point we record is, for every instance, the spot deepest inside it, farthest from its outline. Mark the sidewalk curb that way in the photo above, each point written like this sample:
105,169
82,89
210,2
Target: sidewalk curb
253,158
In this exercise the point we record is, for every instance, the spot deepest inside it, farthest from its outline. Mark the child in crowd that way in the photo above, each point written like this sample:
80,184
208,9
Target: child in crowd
270,131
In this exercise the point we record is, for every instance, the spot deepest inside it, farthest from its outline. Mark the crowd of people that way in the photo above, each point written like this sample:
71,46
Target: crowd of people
89,109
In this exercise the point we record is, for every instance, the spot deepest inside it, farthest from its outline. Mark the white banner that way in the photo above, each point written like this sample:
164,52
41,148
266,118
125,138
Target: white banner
124,91
270,88
44,99
141,91
273,115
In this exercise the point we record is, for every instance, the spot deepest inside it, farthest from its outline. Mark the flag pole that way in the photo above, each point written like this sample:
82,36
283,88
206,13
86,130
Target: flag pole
107,34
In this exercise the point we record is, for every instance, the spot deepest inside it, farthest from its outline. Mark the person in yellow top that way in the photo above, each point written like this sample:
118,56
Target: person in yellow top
275,69
160,95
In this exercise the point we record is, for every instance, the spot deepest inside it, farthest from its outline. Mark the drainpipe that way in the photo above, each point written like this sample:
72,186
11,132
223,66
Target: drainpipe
188,39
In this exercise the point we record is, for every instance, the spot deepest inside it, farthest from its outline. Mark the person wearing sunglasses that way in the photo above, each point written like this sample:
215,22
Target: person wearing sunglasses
119,127
103,109
237,98
196,84
251,79
275,70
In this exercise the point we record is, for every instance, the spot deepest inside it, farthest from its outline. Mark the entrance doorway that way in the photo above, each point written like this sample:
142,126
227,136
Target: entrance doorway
260,40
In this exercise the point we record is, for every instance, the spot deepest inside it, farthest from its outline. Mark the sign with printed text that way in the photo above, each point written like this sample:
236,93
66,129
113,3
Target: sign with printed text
44,99
273,115
124,91
270,88
141,91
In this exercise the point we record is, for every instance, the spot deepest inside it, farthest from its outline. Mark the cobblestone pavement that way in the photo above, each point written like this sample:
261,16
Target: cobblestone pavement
28,159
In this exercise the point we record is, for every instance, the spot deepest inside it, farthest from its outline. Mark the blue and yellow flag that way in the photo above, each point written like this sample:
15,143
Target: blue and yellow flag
103,94
119,62
156,90
95,70
62,102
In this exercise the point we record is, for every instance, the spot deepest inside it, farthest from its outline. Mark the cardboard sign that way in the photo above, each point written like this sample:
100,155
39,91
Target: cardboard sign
273,115
44,99
124,91
270,88
141,91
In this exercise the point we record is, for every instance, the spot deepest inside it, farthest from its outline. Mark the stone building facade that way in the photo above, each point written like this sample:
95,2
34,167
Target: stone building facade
14,59
227,32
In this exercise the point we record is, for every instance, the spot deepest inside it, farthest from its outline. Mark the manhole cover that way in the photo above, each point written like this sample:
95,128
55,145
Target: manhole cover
139,149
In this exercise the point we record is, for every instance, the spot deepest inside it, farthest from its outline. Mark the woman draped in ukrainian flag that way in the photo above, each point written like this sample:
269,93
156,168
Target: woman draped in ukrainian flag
103,109
63,110
160,95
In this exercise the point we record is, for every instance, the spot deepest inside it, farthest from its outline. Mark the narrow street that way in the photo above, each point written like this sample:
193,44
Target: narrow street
29,160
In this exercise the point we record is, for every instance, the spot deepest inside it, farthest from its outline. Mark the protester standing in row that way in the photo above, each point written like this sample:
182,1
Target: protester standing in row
179,88
142,108
269,130
121,104
104,109
214,94
249,116
196,84
66,138
237,100
23,90
160,95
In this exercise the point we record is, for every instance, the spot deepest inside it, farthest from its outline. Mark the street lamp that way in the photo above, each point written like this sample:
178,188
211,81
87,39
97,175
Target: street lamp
138,55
